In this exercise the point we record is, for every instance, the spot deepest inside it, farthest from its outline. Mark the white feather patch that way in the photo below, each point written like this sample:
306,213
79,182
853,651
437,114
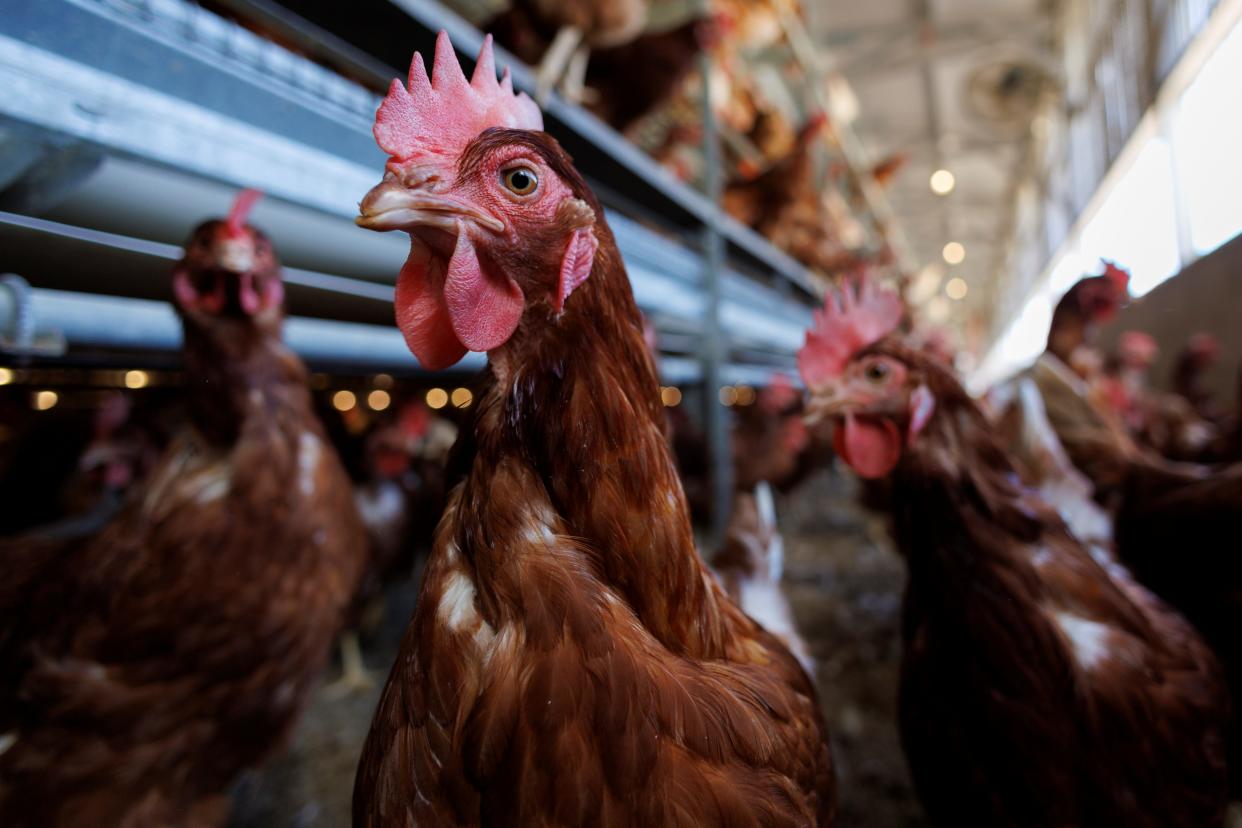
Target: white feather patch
1088,639
308,462
456,608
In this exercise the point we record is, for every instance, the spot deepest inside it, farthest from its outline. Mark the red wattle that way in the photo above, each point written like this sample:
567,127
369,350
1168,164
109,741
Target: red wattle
421,315
484,308
871,447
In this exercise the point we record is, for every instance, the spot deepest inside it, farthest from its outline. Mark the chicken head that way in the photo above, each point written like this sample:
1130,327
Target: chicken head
876,402
499,222
229,268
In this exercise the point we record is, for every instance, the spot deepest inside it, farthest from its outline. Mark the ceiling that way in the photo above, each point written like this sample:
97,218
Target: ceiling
936,81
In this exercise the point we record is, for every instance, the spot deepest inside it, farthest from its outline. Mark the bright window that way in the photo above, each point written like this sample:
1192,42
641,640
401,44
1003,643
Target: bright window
1136,226
1207,144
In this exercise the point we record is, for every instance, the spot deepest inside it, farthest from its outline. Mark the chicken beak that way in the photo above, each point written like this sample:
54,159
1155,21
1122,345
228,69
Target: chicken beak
392,206
234,255
824,403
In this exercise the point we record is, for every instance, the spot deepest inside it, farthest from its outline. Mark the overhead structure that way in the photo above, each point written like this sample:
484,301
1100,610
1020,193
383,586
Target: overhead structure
958,86
125,124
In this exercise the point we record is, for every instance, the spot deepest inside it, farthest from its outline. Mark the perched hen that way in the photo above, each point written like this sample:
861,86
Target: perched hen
761,202
143,668
1039,687
571,661
624,82
562,33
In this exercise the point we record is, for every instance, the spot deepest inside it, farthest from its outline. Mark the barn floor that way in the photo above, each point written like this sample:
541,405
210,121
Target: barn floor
845,590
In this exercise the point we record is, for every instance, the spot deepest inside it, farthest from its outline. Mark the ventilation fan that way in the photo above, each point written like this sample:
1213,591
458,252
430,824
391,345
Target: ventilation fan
1007,93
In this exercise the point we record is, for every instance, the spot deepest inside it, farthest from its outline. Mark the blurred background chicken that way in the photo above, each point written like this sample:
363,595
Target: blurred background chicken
1027,659
564,33
751,564
175,647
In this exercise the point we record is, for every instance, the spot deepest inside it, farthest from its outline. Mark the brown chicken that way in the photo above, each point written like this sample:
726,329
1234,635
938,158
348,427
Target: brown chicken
1091,301
761,202
1175,524
1038,687
772,443
571,661
144,668
1202,352
562,33
624,83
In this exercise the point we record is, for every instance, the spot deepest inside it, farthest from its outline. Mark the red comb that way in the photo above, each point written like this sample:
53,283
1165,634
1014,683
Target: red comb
1120,276
853,317
240,212
441,115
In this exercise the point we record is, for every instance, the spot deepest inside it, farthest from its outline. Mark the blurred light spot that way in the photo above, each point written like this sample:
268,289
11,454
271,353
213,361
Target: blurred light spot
745,395
728,395
954,253
344,400
383,381
437,398
670,396
378,400
938,309
136,379
319,381
942,182
462,397
43,400
6,376
956,288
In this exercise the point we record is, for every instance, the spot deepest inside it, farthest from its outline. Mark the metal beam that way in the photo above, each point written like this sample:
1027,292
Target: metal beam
718,419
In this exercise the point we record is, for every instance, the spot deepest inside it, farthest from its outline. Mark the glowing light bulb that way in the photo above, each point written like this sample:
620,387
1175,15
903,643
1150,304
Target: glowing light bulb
942,182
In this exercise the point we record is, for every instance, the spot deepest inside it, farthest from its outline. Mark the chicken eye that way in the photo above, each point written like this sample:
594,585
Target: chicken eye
521,180
876,372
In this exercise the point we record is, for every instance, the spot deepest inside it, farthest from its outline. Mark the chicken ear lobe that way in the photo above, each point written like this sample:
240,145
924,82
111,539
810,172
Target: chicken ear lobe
922,404
576,264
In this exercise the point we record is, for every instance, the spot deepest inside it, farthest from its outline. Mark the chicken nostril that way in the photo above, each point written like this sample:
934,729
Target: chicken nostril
419,178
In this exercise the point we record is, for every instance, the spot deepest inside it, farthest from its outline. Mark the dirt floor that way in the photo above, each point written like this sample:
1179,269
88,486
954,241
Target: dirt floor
844,582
